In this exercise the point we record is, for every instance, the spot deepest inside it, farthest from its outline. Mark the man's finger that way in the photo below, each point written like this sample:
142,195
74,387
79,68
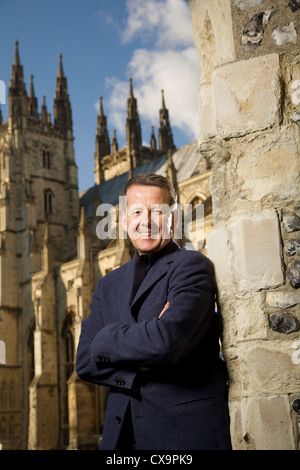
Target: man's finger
164,309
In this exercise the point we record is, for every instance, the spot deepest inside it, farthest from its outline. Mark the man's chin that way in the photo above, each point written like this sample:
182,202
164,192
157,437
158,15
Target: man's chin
145,246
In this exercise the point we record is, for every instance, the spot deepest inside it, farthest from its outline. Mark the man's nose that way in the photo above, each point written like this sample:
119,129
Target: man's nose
146,218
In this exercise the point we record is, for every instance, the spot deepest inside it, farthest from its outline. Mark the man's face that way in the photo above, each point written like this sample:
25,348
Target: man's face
148,220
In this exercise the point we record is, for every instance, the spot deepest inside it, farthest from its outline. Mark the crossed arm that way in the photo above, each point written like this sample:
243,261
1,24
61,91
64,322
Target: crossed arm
110,351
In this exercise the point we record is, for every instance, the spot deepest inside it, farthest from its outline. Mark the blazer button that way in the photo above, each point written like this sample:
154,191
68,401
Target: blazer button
118,419
120,382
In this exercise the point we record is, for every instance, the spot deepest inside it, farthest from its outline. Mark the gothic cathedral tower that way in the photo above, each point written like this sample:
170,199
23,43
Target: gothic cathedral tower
39,214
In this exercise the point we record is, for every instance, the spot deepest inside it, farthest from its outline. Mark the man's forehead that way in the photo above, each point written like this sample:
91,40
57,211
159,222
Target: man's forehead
141,190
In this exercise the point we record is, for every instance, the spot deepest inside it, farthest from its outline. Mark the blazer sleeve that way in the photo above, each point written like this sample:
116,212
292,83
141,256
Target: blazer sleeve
166,339
99,370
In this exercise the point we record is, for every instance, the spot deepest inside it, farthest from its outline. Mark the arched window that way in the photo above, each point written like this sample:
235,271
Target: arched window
48,201
197,200
46,158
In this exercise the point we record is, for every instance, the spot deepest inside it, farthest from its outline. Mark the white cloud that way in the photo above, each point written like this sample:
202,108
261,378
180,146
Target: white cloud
167,21
171,64
177,73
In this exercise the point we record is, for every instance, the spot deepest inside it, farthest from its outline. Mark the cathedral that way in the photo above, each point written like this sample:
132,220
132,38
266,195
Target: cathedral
51,254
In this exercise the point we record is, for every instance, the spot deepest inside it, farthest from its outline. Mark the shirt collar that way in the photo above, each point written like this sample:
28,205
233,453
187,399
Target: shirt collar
151,258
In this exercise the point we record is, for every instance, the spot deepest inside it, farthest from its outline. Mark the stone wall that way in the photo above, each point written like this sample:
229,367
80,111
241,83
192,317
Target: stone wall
249,113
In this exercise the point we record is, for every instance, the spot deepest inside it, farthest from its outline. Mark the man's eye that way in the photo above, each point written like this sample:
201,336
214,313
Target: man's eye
156,211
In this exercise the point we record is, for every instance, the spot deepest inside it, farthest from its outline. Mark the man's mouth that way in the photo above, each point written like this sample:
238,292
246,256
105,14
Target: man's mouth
147,235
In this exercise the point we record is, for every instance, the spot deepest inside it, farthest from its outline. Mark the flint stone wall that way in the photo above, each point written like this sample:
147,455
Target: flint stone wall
249,117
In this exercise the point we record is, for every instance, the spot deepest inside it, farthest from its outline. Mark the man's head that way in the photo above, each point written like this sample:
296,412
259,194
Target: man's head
150,215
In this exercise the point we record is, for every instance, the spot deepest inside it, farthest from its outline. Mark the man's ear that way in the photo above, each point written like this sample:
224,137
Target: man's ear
124,221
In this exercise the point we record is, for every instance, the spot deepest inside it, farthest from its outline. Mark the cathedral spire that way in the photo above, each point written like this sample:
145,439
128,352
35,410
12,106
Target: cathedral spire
60,67
171,170
133,126
45,116
165,136
17,96
32,101
62,108
102,144
153,140
130,89
115,146
17,55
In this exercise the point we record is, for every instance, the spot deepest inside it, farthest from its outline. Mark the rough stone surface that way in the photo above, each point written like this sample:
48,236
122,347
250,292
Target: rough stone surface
251,98
294,5
268,170
291,222
253,32
246,4
292,247
293,274
282,299
260,421
256,260
283,322
217,244
238,91
285,33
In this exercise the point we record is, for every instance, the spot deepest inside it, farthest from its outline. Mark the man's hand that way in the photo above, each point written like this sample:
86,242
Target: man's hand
145,369
164,309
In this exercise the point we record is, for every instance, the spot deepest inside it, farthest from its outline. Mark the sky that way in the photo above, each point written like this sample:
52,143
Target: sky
104,43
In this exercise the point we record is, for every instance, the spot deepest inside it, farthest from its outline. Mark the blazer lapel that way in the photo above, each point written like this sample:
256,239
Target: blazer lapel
160,267
125,288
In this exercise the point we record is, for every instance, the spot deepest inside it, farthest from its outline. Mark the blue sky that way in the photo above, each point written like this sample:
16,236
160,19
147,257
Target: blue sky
103,44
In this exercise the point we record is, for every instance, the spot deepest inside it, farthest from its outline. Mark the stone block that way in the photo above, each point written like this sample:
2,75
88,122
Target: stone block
282,299
217,251
207,115
267,367
256,251
211,19
266,423
285,33
237,440
250,319
291,222
247,95
293,274
283,322
272,168
246,4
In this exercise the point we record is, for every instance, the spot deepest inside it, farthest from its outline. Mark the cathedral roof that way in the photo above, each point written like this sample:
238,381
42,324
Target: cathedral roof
186,161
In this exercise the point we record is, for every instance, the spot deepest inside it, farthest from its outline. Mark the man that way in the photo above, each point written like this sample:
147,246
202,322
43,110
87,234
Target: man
152,336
